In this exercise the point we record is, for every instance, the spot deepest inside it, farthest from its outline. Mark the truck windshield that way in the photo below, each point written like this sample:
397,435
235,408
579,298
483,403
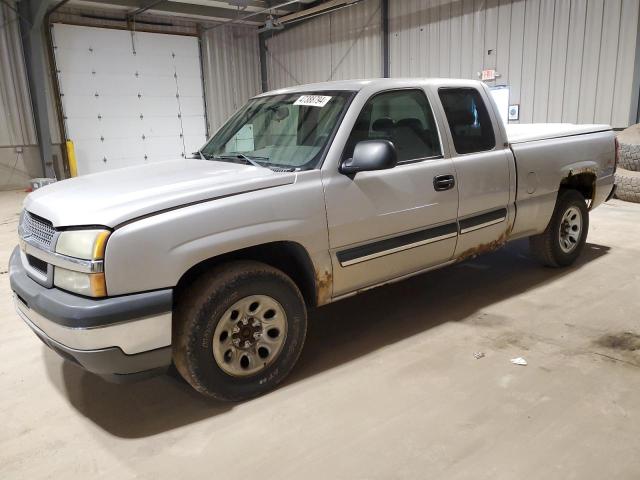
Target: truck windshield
284,131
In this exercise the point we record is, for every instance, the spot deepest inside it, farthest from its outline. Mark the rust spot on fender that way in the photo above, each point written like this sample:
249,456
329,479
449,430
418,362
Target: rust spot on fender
578,171
324,287
582,171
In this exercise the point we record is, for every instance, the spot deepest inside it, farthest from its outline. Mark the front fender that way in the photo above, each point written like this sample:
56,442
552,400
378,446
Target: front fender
154,252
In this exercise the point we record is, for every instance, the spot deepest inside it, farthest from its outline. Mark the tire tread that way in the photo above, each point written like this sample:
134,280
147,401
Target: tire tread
543,246
205,288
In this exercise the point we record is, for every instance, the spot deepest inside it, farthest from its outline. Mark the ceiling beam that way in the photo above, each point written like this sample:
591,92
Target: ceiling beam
175,8
259,5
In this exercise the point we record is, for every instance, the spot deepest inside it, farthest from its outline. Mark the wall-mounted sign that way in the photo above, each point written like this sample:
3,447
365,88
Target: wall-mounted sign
500,96
514,112
487,75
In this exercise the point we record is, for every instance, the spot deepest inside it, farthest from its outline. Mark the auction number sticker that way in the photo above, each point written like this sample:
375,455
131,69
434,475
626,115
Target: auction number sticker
312,100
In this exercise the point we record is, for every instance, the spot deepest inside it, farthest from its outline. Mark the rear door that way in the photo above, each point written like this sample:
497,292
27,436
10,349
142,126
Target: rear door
482,166
388,223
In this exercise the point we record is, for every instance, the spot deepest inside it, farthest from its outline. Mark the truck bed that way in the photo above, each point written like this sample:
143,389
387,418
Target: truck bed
529,132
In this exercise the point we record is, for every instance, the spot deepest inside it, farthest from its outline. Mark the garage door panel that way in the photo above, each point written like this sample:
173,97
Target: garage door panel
194,125
122,99
193,143
119,106
85,128
75,61
112,127
132,150
187,64
123,147
117,84
104,39
159,106
191,106
190,86
164,146
149,43
162,126
89,155
78,83
159,87
114,62
123,162
80,105
154,64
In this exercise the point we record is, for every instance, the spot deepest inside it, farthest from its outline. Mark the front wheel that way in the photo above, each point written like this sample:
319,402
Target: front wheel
564,238
238,330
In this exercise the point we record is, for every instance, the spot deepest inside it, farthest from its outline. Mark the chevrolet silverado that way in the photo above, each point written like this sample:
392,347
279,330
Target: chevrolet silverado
307,195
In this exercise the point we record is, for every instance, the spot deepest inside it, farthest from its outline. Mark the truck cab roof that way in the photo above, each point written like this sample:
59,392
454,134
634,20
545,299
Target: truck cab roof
374,84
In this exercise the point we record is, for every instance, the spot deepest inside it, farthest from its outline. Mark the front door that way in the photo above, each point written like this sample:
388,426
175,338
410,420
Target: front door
389,223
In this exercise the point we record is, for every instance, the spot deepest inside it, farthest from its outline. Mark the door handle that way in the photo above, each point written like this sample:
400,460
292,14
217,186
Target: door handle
443,182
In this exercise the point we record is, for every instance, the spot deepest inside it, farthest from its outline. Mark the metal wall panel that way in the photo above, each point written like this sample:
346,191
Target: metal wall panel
16,117
343,44
564,60
231,69
626,58
19,153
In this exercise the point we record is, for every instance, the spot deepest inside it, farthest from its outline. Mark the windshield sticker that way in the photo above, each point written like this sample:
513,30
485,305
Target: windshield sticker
312,100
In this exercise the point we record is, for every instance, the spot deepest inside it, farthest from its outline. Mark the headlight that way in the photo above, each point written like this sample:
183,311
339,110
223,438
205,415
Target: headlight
89,284
85,245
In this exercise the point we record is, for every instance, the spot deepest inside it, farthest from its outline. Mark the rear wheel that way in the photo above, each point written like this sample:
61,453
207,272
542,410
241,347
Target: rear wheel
239,330
564,238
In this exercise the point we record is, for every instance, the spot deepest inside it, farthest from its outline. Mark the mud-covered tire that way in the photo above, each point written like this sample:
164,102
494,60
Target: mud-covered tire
629,148
546,247
629,156
627,185
201,305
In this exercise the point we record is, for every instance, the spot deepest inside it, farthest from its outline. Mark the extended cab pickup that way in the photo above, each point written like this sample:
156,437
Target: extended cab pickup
305,196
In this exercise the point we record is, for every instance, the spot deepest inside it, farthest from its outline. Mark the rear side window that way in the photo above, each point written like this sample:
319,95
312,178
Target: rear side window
468,119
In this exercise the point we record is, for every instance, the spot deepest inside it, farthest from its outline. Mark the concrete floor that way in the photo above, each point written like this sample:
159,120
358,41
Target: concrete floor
387,387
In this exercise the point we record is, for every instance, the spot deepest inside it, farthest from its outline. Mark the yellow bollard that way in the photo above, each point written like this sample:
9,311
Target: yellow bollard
71,156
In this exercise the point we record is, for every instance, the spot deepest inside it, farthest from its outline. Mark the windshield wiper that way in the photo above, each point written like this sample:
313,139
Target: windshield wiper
241,156
248,159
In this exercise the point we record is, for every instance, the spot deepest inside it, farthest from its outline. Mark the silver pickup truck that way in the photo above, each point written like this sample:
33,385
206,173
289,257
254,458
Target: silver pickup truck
307,195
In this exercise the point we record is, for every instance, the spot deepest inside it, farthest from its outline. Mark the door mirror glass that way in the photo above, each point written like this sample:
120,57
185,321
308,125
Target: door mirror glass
370,155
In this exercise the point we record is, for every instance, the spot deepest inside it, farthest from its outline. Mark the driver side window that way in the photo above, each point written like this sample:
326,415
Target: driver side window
403,117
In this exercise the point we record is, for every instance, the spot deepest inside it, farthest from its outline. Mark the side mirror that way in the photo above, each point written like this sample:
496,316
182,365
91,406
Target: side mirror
371,155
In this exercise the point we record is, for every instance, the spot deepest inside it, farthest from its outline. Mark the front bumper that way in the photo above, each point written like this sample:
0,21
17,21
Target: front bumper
120,335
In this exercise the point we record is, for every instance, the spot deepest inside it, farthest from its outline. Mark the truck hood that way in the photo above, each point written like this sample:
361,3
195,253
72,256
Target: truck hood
113,197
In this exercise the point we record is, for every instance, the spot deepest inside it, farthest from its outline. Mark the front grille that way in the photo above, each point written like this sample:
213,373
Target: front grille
37,229
37,264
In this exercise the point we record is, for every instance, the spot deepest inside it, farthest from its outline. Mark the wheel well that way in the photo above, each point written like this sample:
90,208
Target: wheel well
584,182
289,257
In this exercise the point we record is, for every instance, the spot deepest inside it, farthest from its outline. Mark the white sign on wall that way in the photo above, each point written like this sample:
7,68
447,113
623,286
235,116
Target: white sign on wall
500,96
129,99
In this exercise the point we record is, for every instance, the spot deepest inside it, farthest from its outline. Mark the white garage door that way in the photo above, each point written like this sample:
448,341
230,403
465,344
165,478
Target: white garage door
129,98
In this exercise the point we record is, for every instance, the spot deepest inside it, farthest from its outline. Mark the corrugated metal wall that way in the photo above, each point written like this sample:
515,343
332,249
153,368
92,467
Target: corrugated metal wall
231,69
16,125
340,45
19,153
565,60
